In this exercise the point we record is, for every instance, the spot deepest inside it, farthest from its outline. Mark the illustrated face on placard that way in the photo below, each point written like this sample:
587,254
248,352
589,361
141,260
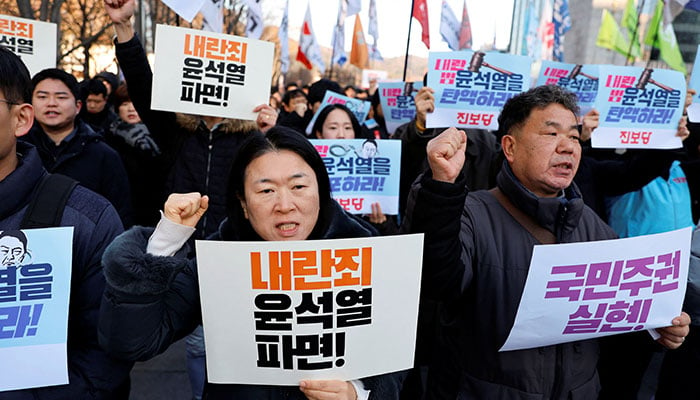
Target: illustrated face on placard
13,248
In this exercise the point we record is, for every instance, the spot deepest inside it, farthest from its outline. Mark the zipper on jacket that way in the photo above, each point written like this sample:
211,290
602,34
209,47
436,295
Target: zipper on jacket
558,370
206,178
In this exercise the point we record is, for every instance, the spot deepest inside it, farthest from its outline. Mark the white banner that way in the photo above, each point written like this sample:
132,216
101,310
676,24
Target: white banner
33,41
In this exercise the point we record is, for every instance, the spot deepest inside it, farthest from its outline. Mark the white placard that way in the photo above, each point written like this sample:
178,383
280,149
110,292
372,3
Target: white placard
33,41
360,297
207,73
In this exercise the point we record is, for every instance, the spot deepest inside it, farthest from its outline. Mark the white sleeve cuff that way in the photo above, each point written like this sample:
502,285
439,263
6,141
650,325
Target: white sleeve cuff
168,238
362,393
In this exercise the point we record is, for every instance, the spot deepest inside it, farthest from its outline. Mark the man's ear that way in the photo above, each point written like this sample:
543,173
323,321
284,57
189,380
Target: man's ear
78,106
508,143
25,119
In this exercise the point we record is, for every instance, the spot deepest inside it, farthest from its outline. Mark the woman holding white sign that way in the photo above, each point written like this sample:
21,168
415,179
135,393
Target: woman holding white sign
278,190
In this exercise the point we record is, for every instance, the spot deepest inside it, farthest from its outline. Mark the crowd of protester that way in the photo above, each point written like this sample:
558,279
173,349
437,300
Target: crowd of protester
483,199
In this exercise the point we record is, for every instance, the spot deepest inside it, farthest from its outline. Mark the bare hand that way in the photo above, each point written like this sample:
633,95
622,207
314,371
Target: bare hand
120,11
185,208
683,131
328,390
377,216
590,122
425,103
672,337
446,154
267,117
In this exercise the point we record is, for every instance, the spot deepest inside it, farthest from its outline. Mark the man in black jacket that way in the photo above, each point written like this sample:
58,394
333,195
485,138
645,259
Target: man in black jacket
69,146
478,246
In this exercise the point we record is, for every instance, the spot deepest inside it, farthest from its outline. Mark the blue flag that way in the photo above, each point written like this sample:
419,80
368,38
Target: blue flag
562,23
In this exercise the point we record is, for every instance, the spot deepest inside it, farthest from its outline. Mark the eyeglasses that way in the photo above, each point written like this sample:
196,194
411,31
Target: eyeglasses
12,103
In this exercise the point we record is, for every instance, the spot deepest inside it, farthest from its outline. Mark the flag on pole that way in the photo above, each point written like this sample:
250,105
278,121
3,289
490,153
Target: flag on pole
284,39
449,26
465,31
309,52
254,27
420,12
545,33
662,36
610,36
213,16
531,43
629,16
562,23
187,9
339,55
353,7
359,55
373,30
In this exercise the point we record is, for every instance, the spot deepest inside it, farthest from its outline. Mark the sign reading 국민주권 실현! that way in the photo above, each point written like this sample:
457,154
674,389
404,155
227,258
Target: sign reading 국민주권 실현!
279,312
362,172
639,108
33,41
579,79
35,271
472,87
578,291
208,73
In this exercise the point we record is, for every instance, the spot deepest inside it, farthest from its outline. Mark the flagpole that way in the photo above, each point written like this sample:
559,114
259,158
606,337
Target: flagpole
634,34
330,72
408,41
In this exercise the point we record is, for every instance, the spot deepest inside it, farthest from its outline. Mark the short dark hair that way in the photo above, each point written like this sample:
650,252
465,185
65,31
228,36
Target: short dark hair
319,88
257,144
293,94
15,81
19,235
96,86
60,75
323,114
518,108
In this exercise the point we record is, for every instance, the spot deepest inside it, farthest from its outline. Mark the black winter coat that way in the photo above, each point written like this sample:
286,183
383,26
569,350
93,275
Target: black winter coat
197,159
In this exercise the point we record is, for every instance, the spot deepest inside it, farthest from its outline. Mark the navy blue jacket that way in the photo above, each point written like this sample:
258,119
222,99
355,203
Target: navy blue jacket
90,161
92,374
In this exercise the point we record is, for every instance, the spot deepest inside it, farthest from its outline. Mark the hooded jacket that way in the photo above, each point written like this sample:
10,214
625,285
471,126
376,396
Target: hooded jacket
197,159
480,262
91,373
152,301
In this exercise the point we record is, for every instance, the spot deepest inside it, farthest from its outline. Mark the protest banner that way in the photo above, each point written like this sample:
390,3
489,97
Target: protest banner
360,108
363,172
472,87
639,108
33,41
397,99
694,83
369,75
578,291
34,292
580,79
207,73
278,312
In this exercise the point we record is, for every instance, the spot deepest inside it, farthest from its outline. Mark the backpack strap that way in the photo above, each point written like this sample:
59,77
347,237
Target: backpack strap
541,234
46,208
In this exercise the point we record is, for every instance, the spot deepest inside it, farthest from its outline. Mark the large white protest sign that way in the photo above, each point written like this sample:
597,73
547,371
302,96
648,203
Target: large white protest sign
34,293
580,291
278,312
209,73
694,83
33,41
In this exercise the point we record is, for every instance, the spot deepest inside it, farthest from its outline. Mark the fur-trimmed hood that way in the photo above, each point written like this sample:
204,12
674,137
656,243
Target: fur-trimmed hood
192,123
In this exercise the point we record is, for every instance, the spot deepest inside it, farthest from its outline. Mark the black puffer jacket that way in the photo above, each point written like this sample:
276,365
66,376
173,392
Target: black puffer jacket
152,301
198,159
477,254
